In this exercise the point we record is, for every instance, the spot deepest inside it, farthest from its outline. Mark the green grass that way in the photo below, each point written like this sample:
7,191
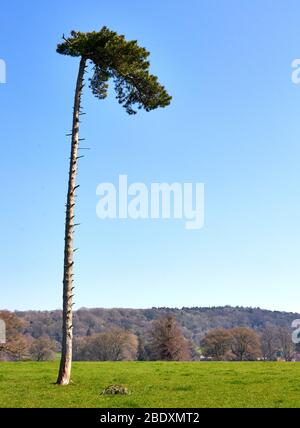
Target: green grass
153,384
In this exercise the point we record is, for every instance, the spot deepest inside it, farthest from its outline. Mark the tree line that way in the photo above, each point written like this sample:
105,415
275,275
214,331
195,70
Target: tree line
245,344
194,322
164,340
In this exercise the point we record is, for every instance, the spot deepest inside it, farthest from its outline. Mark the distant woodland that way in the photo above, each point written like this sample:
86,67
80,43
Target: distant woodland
152,334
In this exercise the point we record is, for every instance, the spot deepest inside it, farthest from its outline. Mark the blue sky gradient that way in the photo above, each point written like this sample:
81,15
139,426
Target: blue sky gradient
234,125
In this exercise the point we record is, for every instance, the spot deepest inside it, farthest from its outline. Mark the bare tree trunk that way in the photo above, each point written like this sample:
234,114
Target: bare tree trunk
66,355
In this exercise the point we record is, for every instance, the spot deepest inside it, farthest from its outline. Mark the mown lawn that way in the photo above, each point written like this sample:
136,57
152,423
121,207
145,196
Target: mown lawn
153,384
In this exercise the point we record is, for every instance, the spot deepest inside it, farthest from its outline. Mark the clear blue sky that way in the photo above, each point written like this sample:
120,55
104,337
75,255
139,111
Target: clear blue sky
234,125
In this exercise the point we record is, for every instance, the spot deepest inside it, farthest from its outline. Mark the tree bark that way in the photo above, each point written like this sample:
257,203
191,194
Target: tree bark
67,333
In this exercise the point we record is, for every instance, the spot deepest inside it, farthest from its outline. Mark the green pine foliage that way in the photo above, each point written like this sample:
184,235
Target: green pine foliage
124,62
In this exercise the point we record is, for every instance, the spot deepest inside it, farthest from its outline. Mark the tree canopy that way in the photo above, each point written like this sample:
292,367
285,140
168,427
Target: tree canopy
124,62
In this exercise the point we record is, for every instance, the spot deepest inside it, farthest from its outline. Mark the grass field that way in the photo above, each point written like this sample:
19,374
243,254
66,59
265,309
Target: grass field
153,384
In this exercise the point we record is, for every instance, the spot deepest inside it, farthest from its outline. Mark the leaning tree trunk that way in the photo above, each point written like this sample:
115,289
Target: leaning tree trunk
67,337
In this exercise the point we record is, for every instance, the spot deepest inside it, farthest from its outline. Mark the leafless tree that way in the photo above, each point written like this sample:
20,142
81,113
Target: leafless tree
42,349
269,343
245,344
216,344
114,345
286,345
17,344
167,342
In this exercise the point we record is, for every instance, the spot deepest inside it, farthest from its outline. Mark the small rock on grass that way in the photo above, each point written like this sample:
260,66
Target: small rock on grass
115,389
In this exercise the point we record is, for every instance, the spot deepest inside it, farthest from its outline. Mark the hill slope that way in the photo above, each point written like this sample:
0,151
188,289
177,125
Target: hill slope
194,321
